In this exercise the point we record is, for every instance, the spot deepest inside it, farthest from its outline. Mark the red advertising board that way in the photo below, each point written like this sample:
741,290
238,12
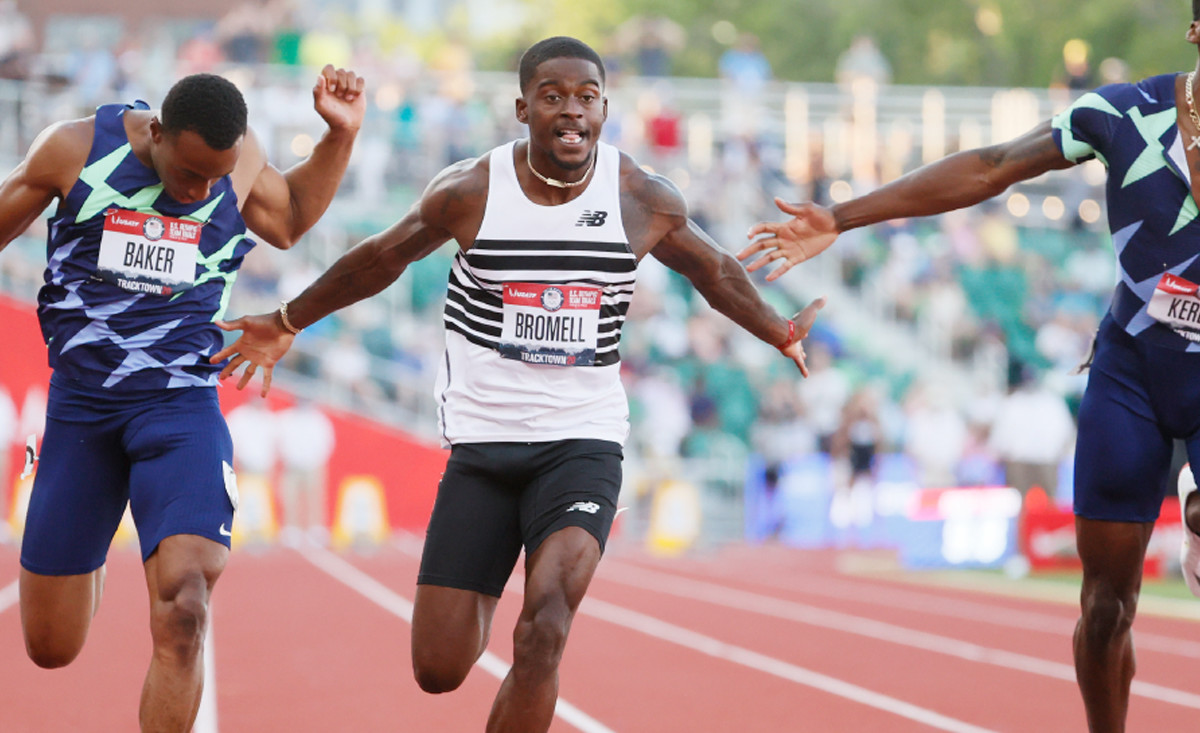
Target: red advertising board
406,468
1047,536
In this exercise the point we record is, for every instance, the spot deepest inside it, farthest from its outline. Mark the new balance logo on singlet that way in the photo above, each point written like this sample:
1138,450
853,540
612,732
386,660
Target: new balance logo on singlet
592,219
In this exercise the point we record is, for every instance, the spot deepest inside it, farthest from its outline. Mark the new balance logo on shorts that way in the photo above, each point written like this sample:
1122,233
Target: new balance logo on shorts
590,507
592,219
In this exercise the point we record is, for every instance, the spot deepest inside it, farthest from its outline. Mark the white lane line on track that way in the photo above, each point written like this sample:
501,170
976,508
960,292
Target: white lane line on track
715,594
397,605
886,596
666,631
715,648
698,642
669,632
9,595
206,716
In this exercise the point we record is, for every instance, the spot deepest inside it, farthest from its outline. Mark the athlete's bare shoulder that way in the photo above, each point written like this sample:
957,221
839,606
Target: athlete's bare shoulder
252,160
454,200
58,154
651,205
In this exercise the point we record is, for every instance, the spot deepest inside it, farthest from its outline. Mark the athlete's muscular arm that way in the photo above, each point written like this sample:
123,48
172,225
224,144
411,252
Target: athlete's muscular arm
956,181
450,208
48,171
448,202
280,207
659,209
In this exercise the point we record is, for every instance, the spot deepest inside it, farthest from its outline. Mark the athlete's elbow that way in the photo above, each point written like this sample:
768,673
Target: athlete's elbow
279,240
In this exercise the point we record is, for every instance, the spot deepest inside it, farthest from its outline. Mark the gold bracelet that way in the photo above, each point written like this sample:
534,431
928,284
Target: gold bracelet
283,316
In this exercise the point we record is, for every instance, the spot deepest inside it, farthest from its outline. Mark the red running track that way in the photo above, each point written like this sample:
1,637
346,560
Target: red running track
758,639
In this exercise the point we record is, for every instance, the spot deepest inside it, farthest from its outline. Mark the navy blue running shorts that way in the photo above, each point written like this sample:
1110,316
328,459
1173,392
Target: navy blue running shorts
1139,399
496,498
167,452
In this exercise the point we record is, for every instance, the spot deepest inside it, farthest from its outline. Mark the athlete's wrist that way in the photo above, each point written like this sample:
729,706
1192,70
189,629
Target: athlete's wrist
791,336
282,314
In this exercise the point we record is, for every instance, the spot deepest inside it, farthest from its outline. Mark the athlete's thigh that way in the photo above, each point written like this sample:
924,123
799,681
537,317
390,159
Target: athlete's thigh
473,538
56,613
78,498
181,475
1122,455
1112,554
181,563
577,485
450,627
561,569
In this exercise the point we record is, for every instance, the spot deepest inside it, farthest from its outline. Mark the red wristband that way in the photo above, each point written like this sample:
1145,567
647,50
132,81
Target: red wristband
791,337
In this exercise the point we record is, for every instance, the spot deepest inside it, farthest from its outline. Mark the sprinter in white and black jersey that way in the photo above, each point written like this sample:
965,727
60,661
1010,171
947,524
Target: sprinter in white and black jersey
550,231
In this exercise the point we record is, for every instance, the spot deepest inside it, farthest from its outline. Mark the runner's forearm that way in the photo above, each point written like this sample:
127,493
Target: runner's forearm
960,180
733,295
956,181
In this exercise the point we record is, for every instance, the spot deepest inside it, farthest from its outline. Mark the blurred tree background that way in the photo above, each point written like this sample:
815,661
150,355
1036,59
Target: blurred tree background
950,42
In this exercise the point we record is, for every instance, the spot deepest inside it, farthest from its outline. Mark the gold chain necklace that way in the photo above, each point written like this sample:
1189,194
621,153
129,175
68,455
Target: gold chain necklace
1191,103
572,184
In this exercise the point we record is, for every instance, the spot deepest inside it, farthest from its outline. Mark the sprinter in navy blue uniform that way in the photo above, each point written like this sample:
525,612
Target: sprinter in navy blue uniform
155,213
1142,390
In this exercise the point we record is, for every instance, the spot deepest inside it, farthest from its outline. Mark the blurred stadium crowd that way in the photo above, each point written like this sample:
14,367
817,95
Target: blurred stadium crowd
935,333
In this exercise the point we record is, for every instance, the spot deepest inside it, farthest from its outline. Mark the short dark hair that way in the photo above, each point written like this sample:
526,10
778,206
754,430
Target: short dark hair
556,48
208,105
1195,9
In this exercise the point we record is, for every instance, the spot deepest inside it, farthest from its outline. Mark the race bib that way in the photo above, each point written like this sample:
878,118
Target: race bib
550,324
146,253
1176,303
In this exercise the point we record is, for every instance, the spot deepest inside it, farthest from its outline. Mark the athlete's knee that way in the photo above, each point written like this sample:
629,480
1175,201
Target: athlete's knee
437,677
51,645
1107,614
56,614
441,667
178,623
50,652
541,636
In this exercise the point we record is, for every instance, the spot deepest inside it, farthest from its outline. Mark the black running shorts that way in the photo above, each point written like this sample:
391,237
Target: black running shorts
496,498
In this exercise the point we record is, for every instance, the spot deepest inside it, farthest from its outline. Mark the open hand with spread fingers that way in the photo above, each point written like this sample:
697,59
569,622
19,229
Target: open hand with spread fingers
263,343
807,234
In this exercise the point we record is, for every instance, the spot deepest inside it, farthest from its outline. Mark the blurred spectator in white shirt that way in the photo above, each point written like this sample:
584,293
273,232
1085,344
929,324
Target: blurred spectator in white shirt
1032,434
936,435
253,428
863,60
16,41
823,393
306,441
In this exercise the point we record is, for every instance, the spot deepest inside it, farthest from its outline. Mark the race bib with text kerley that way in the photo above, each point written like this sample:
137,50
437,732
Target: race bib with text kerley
1175,303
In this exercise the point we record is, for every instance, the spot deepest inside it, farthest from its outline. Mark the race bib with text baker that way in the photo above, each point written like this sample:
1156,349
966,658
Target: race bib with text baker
1176,303
550,324
147,253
